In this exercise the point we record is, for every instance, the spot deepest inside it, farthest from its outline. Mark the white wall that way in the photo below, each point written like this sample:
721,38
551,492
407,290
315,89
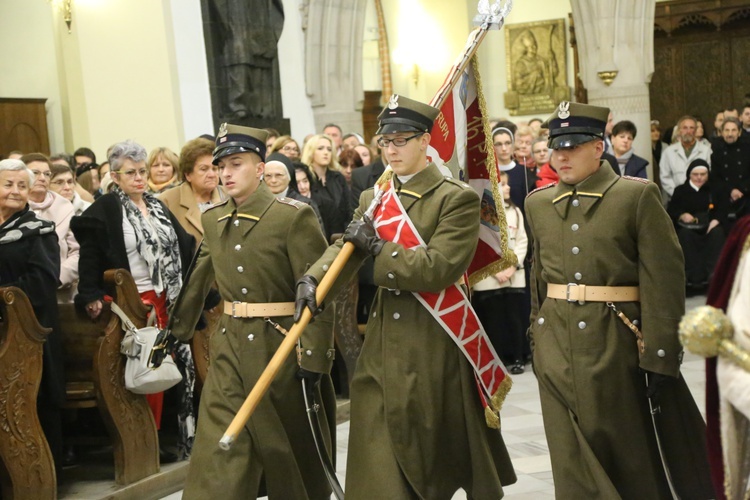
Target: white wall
192,99
294,100
28,64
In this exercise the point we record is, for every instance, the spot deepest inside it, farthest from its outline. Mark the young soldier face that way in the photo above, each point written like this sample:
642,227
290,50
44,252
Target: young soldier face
409,158
240,174
579,162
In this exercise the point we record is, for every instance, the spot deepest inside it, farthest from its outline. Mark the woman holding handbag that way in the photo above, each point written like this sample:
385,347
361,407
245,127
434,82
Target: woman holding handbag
130,229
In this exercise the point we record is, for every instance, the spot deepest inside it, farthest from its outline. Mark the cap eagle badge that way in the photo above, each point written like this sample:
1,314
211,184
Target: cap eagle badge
563,110
393,102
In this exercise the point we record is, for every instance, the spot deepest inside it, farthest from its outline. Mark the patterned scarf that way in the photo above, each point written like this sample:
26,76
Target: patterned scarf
156,243
24,225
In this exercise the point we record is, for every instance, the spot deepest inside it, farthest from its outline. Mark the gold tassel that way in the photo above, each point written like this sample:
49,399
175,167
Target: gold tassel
492,418
495,403
508,258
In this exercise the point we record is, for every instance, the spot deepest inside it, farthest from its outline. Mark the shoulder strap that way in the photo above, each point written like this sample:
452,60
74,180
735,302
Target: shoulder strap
123,317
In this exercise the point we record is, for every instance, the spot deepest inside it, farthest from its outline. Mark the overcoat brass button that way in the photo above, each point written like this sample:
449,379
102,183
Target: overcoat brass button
575,250
576,203
240,269
391,275
394,254
636,322
237,248
661,353
374,314
396,315
325,267
396,292
251,337
308,352
578,276
244,291
574,227
237,222
582,325
540,321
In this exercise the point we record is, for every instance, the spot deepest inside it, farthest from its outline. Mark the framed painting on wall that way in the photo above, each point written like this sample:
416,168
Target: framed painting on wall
536,67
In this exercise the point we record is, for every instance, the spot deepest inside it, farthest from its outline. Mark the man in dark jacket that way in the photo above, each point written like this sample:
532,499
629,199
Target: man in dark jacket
731,164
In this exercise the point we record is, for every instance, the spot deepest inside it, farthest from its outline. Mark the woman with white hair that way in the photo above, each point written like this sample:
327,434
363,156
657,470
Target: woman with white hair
129,228
30,260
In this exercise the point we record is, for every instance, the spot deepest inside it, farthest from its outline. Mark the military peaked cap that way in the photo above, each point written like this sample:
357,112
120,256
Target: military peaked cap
573,123
233,139
402,114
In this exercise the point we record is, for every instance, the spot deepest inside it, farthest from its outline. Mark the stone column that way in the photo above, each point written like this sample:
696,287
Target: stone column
618,42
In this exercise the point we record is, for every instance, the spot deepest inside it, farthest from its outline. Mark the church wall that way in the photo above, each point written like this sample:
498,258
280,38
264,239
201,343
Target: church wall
28,62
492,52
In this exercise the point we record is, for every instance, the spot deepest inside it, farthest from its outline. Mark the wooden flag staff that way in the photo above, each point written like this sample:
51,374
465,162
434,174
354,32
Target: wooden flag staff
489,18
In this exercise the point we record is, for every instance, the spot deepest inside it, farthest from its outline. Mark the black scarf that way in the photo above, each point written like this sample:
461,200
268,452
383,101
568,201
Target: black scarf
23,225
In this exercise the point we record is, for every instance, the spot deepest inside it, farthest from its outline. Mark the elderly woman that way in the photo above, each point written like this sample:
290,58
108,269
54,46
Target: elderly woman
63,183
199,191
129,228
699,208
67,160
51,206
162,170
328,186
286,146
277,178
30,260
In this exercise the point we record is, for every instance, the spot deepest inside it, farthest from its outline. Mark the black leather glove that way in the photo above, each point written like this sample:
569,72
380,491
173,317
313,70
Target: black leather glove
312,378
305,297
163,346
655,383
362,234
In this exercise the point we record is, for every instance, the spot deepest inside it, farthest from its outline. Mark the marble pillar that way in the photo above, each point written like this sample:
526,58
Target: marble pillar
617,41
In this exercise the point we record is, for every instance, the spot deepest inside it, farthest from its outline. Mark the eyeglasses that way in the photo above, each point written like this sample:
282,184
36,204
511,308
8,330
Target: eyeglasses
60,182
398,141
130,174
290,149
47,174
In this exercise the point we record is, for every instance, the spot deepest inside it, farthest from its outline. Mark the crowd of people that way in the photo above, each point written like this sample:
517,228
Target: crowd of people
65,219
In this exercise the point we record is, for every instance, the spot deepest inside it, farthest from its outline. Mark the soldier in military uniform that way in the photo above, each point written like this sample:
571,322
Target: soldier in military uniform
603,244
418,428
255,246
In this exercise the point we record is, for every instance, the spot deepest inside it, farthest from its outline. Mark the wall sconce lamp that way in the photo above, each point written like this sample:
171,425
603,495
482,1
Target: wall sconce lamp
66,8
415,74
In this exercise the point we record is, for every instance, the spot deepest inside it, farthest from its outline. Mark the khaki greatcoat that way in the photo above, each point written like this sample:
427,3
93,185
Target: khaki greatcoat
611,231
417,425
256,252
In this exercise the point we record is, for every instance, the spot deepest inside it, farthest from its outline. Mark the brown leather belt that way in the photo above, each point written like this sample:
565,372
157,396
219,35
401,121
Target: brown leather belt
267,310
573,292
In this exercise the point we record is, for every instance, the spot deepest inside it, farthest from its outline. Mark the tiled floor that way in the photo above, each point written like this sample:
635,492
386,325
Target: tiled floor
524,433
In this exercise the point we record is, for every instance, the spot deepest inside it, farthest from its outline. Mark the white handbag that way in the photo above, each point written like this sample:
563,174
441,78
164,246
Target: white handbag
141,378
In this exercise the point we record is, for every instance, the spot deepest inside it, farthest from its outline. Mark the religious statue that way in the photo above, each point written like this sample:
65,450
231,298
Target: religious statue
245,34
532,73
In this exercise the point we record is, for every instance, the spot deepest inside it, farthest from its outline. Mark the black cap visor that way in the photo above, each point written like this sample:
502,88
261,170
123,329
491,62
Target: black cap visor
570,140
392,128
220,153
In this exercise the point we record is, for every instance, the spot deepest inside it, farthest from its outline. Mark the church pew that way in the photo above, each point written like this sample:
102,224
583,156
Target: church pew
27,469
95,377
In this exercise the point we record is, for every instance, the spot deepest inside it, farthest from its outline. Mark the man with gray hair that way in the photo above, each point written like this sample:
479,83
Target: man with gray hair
676,158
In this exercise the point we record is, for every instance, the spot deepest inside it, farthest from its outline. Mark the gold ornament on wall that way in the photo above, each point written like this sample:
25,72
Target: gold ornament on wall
607,76
536,62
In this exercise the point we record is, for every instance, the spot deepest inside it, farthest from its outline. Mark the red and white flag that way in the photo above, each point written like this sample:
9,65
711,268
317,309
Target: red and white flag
461,142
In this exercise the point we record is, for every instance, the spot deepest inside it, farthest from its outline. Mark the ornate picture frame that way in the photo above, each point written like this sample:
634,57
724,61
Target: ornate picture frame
536,60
